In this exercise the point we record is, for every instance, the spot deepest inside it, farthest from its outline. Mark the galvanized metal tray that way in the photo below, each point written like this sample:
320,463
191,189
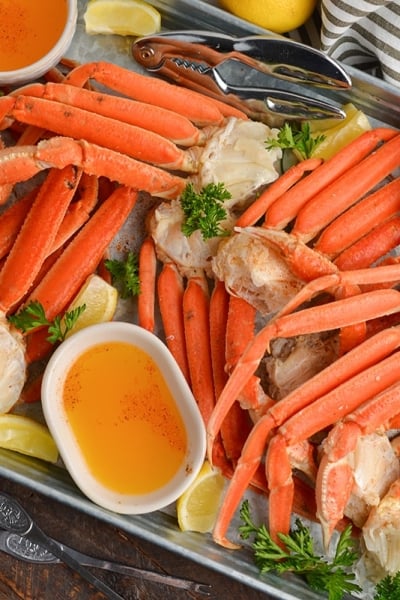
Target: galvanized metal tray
382,103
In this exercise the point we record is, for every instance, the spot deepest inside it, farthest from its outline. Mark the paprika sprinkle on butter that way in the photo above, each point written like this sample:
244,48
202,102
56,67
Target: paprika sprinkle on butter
29,30
125,418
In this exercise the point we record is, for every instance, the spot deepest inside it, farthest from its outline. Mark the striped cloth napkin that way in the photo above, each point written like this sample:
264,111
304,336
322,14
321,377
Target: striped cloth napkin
363,32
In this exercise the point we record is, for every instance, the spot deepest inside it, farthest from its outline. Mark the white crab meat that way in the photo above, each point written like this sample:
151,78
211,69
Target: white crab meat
295,360
236,155
375,467
381,532
255,272
12,366
190,253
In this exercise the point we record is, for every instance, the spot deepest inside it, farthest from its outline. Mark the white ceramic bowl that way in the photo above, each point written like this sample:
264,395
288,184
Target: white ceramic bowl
49,60
65,437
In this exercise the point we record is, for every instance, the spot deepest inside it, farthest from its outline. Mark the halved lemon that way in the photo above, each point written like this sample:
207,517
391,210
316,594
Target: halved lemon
197,508
121,17
100,299
340,135
23,434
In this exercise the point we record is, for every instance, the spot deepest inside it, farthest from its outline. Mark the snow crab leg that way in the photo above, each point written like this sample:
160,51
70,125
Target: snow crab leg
23,162
200,109
77,123
329,316
325,411
48,211
335,478
318,318
40,228
63,280
167,123
365,356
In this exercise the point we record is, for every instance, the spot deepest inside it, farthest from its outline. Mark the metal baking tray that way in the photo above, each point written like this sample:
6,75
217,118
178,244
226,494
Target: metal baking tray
382,103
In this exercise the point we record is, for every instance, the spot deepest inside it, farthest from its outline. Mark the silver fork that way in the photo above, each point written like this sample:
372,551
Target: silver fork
17,540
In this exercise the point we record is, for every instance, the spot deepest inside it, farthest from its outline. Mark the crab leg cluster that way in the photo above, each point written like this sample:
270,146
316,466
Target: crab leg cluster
351,239
326,228
63,140
332,224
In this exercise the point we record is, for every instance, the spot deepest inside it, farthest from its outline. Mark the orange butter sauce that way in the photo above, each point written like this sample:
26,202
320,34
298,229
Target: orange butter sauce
124,418
28,30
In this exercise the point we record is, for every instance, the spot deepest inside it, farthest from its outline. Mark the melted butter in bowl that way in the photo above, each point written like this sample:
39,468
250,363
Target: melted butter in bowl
34,36
123,417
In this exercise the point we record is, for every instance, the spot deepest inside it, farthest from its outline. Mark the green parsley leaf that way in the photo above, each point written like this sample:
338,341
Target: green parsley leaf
125,274
388,588
204,211
290,136
59,328
299,556
33,316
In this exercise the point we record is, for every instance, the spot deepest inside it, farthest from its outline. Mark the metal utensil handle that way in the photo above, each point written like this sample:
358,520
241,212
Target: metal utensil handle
24,549
14,518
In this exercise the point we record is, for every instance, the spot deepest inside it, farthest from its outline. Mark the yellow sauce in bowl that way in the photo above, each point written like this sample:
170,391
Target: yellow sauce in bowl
125,421
28,30
122,412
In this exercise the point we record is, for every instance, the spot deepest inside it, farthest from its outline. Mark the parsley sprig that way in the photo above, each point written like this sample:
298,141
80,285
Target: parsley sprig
204,210
125,274
295,138
388,588
299,556
33,316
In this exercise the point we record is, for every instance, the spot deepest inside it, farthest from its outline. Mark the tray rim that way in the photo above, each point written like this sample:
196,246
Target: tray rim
374,96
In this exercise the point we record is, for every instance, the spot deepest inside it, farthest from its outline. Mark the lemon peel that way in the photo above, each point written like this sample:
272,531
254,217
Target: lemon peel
121,17
337,137
197,508
23,434
100,299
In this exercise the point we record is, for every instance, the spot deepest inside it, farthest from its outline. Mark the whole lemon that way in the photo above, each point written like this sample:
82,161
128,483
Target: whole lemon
278,16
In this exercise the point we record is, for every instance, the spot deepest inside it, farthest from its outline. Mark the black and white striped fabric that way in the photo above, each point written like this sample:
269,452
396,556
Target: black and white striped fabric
363,32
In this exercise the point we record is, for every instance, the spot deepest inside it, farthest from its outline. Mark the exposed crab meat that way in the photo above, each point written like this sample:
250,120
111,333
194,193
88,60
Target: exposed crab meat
294,361
12,365
375,467
381,531
236,154
188,253
256,272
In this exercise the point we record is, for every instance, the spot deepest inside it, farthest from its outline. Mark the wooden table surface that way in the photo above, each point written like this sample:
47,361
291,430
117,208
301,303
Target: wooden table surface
20,580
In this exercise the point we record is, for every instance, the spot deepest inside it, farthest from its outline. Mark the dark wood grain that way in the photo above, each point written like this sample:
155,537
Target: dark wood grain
22,581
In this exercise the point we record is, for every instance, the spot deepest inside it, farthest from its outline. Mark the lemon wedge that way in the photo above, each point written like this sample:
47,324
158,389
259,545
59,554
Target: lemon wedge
100,299
121,17
340,135
197,508
23,434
